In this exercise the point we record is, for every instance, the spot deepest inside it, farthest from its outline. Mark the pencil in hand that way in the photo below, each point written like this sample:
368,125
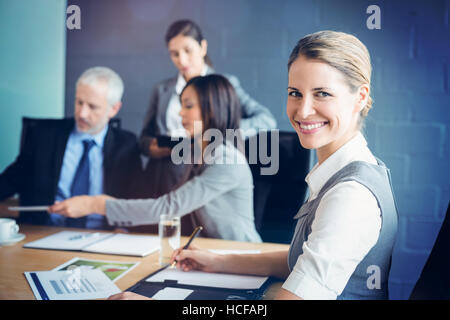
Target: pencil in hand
191,238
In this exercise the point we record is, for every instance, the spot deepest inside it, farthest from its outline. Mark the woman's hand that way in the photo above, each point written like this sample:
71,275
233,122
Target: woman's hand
128,296
156,151
196,259
80,206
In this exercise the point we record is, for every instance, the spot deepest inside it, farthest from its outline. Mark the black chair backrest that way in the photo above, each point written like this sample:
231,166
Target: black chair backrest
278,197
434,280
28,123
116,123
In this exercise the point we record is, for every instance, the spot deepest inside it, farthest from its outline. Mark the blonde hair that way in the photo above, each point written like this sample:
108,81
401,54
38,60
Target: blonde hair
342,51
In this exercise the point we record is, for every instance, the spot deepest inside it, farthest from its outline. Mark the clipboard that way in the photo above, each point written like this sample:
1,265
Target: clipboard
149,289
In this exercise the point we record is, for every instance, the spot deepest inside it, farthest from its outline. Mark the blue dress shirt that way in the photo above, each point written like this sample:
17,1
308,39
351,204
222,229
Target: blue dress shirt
72,156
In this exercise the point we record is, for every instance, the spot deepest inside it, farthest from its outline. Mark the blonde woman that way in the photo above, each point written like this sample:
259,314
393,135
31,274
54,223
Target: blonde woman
345,232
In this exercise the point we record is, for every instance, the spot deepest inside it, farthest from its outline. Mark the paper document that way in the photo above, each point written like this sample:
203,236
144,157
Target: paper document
71,285
68,240
107,243
208,279
29,208
126,244
114,270
172,294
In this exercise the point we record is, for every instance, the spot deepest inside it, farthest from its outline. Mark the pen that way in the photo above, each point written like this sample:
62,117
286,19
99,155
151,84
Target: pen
82,236
191,238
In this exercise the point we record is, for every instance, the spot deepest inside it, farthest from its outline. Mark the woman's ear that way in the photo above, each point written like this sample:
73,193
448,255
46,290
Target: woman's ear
362,98
204,46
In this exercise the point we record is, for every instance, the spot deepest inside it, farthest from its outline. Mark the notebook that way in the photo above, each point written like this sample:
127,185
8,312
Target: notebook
106,243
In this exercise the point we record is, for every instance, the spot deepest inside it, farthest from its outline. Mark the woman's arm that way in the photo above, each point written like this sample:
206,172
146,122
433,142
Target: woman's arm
213,182
263,264
81,206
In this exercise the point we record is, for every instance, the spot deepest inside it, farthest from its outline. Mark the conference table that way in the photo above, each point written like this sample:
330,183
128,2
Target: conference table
15,260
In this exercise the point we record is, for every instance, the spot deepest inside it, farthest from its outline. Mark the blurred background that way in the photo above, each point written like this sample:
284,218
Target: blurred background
408,127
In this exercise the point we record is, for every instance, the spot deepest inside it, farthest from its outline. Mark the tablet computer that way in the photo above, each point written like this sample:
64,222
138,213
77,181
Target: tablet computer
168,141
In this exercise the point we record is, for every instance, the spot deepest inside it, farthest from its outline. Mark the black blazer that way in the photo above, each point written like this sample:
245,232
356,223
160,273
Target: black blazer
34,175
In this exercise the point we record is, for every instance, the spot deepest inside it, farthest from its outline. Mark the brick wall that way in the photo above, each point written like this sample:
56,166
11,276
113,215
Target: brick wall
408,128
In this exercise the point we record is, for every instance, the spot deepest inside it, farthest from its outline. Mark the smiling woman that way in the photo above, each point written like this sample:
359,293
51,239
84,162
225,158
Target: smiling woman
329,90
349,223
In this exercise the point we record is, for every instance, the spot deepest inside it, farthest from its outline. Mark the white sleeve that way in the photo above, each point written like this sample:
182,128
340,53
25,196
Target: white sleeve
346,226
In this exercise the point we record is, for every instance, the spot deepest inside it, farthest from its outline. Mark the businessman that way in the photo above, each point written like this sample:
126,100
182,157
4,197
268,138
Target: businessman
61,158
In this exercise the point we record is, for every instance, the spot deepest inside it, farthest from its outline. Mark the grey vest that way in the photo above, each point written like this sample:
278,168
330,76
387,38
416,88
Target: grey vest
377,179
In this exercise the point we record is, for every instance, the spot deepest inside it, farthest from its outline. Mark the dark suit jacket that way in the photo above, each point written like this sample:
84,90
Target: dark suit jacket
34,175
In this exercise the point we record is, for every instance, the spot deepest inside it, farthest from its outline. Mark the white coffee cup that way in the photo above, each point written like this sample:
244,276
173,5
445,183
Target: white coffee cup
8,228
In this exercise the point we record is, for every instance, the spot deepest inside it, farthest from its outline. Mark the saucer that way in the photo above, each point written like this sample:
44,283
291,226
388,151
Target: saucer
16,238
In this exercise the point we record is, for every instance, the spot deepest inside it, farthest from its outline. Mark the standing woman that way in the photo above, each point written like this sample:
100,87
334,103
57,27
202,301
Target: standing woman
188,52
345,232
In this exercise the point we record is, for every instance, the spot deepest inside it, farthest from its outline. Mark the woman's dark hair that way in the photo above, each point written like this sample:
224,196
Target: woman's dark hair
186,28
220,110
220,106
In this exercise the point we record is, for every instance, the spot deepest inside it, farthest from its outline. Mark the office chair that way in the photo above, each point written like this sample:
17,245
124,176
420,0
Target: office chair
29,123
278,197
434,280
116,123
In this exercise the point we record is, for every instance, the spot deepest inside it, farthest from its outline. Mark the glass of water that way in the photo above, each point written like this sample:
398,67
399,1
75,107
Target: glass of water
169,237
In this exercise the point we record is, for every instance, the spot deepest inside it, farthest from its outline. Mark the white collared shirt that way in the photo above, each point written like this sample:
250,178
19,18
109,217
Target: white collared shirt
346,226
173,118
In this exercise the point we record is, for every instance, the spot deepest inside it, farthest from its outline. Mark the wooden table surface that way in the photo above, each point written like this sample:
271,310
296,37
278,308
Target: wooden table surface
15,260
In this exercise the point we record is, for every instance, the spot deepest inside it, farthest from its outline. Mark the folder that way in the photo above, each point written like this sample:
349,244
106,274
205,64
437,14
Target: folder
217,289
96,242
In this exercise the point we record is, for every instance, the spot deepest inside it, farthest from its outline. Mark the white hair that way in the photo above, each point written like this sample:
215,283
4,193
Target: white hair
95,75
